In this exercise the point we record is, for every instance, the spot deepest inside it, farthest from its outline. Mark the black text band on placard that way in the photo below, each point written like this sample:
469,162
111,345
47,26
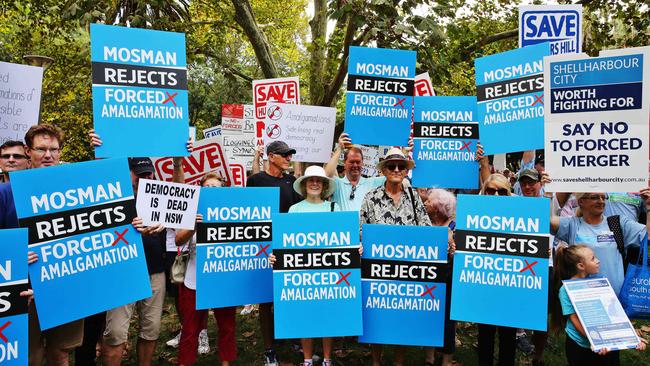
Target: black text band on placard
78,221
316,259
446,130
379,85
525,245
510,88
233,232
11,294
143,76
383,269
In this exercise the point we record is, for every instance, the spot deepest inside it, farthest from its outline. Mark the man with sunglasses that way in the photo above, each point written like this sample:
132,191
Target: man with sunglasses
350,189
279,157
12,158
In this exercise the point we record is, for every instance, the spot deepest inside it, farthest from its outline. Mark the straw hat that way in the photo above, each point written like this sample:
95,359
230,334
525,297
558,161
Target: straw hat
315,171
395,154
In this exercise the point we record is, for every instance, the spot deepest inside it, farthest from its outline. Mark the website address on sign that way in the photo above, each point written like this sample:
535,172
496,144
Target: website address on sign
600,180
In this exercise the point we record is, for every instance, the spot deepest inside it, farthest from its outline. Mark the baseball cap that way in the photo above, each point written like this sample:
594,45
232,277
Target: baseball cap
530,173
279,147
141,165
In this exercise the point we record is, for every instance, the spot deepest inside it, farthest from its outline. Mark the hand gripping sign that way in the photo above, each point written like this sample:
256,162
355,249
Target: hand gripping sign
13,307
501,258
404,274
91,258
317,272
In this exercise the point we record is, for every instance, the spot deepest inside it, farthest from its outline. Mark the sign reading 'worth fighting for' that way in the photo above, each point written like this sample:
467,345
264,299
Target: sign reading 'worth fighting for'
379,98
317,272
501,258
13,307
139,89
597,121
404,270
510,96
233,245
445,135
80,226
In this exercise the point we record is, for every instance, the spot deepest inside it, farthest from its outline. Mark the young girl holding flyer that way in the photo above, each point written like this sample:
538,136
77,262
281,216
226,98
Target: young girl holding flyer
576,262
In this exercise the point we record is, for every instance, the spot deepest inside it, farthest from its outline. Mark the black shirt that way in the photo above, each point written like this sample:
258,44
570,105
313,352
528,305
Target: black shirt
288,197
154,250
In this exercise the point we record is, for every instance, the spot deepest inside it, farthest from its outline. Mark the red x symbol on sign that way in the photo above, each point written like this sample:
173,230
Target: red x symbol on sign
120,237
428,291
263,250
344,278
2,336
399,103
529,267
466,146
170,98
538,99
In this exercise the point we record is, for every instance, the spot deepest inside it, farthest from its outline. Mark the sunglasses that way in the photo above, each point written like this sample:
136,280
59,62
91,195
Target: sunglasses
354,189
284,155
392,165
15,156
493,191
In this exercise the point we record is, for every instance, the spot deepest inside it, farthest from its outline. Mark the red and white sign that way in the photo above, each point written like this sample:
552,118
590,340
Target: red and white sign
232,117
423,87
280,90
238,174
208,156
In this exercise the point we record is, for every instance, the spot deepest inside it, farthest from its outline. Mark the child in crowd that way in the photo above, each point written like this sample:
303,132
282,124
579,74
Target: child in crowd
576,262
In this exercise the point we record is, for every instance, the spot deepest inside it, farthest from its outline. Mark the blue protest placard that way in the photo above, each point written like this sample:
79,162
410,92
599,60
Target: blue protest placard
139,91
233,246
403,282
596,125
379,98
317,272
91,258
13,307
510,96
501,258
561,25
445,134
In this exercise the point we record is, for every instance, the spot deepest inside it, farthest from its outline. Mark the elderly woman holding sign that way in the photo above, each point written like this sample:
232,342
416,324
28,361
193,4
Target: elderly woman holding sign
393,204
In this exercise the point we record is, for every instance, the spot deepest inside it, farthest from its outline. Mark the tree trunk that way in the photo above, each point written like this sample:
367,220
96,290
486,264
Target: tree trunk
246,19
318,26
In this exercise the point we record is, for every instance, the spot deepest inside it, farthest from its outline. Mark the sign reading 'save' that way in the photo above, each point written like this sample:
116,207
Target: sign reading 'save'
561,25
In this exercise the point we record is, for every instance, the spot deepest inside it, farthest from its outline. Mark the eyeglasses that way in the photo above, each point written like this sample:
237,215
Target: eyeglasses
596,197
492,191
14,156
354,189
284,155
391,166
43,151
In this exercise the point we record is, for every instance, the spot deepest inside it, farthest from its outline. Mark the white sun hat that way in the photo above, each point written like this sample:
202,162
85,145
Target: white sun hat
315,171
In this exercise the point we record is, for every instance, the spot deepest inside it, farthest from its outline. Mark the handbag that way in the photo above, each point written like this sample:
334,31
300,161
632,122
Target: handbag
177,273
635,292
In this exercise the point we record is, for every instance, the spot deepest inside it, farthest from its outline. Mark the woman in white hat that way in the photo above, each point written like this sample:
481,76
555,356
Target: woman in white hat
316,188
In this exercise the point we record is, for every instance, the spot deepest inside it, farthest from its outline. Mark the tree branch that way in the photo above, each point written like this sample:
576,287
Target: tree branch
333,87
245,18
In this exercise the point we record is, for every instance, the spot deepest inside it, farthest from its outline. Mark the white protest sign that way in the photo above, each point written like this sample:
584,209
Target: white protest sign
212,132
20,99
172,205
596,121
249,119
561,25
208,156
193,133
423,86
232,118
308,129
601,314
370,160
240,148
279,90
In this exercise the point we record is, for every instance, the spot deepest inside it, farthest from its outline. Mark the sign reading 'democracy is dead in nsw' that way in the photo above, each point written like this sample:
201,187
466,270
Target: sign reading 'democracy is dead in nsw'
13,307
80,226
501,258
233,245
561,25
404,270
139,89
172,205
510,96
317,272
445,135
306,128
379,98
597,121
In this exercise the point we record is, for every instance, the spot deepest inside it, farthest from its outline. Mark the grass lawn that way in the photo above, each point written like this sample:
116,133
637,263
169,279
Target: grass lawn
347,350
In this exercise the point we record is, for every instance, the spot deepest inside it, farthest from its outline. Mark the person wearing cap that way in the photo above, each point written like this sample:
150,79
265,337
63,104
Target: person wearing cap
352,187
316,187
149,309
393,204
279,157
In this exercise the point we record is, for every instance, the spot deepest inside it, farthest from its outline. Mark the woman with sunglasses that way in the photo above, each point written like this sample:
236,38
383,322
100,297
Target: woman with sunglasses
392,203
496,185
